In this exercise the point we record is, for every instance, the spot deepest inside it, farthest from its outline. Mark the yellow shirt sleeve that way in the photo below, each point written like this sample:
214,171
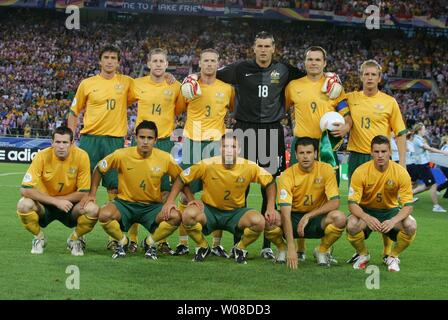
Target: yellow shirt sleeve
288,101
34,173
173,169
132,97
109,162
396,119
261,176
356,189
83,181
342,105
79,101
331,185
285,194
195,172
180,104
232,99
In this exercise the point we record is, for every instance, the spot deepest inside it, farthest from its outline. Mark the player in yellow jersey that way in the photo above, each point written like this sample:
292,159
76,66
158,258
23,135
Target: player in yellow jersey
139,198
308,196
104,99
203,130
159,102
309,104
225,179
373,113
380,199
52,188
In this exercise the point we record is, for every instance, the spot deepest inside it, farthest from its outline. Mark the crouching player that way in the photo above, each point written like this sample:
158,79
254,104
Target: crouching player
52,188
309,202
139,200
376,189
225,179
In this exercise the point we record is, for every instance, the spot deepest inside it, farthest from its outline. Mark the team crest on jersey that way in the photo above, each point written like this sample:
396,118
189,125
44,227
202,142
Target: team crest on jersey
71,170
27,178
275,76
119,88
379,107
240,180
168,93
390,184
318,180
155,169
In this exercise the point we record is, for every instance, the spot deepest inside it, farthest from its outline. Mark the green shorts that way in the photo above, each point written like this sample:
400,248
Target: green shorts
382,215
137,212
355,159
193,152
293,159
313,229
223,220
53,213
164,144
99,147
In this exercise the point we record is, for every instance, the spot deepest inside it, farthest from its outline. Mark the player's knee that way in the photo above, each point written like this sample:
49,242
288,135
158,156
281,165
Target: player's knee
410,225
175,218
91,209
25,205
352,225
104,216
338,218
257,221
190,214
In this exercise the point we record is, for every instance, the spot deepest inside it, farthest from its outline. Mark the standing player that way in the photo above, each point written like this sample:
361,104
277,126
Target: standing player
422,169
104,99
139,199
310,104
225,179
52,187
203,130
260,84
373,113
309,202
380,199
159,102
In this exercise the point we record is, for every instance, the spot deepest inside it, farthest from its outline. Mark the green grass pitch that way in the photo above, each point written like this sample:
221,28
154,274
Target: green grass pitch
25,276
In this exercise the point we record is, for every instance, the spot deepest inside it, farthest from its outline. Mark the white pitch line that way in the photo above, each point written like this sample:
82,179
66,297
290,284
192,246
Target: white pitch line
10,173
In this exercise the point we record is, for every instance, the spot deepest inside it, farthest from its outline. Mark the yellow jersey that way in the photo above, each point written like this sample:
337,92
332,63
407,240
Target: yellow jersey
105,102
380,190
372,116
57,177
306,191
223,188
205,114
158,102
310,104
139,178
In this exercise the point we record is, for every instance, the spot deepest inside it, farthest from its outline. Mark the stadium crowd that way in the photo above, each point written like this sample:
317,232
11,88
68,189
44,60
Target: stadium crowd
42,63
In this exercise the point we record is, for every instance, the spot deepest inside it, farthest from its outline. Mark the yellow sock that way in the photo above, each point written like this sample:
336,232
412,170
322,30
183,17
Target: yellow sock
217,236
195,233
111,196
183,234
357,241
301,247
387,245
133,233
276,237
112,228
163,230
85,225
30,221
403,241
249,236
332,233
